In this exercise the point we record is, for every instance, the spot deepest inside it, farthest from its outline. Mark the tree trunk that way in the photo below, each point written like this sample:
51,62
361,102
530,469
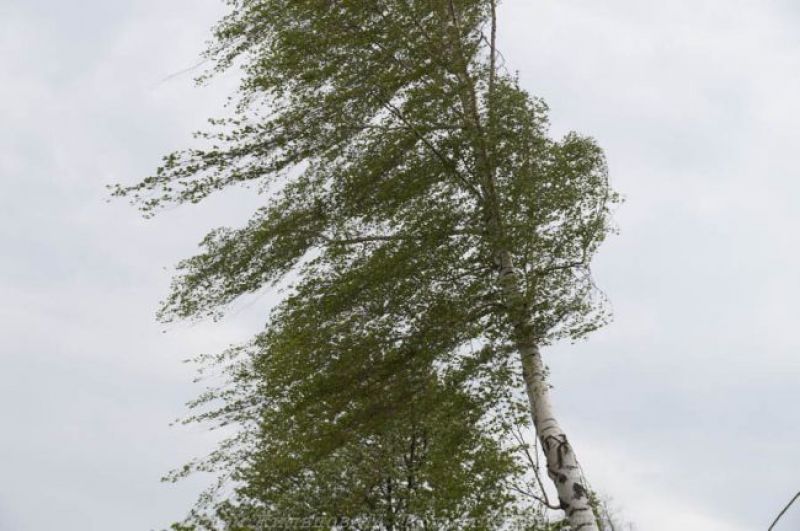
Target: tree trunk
562,464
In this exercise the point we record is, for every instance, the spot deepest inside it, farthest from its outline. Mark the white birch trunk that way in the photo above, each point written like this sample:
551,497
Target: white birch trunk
562,464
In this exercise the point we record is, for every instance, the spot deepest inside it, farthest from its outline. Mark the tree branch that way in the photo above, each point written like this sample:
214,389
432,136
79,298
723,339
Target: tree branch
492,61
534,466
387,104
535,497
775,522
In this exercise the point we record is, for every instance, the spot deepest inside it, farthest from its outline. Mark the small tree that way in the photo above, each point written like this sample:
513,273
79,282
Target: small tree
411,182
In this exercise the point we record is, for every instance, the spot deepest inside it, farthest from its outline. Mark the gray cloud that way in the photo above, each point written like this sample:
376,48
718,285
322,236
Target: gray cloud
692,422
697,379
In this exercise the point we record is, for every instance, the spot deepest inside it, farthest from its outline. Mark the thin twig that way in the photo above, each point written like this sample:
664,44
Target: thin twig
534,463
796,496
535,497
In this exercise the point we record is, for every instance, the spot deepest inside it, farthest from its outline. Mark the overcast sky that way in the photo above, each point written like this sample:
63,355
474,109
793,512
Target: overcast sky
691,422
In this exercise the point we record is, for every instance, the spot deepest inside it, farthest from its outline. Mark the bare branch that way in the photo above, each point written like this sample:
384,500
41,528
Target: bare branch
534,463
535,497
774,523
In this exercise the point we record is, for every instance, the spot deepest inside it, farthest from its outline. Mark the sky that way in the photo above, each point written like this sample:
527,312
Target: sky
684,410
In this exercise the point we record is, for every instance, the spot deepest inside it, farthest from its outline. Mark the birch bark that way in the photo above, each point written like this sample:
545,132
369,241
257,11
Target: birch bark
562,463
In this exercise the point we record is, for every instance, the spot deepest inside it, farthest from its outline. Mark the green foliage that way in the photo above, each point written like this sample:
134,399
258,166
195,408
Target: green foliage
397,161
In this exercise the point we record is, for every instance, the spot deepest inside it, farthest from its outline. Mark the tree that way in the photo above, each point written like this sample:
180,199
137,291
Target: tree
375,439
411,181
337,424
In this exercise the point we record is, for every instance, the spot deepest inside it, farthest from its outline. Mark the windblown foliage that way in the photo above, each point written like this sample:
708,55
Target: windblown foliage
397,161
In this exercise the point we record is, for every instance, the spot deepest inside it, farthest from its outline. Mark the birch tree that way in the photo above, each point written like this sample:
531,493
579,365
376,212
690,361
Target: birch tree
407,174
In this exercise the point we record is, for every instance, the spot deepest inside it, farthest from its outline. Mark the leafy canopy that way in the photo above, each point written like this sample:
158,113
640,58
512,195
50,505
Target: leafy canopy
395,158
